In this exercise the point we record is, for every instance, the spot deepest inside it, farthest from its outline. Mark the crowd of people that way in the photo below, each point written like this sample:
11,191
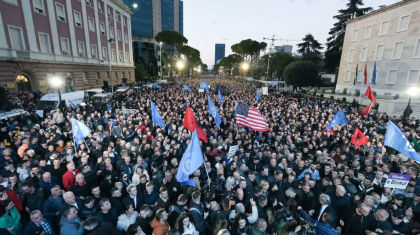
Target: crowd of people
294,179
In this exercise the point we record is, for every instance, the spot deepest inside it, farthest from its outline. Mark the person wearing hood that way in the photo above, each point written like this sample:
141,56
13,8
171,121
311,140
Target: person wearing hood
160,223
70,223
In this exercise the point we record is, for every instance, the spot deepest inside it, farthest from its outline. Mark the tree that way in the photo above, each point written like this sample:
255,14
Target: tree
229,62
337,32
204,67
301,74
309,49
140,72
192,55
249,50
172,41
278,61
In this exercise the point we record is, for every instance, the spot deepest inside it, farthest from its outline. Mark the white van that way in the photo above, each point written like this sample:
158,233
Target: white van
92,92
51,101
101,96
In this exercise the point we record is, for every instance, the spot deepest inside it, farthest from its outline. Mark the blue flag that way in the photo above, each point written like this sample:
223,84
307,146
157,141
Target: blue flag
80,131
214,113
156,86
156,118
72,104
374,74
258,96
185,88
108,106
395,139
191,161
203,85
339,118
220,96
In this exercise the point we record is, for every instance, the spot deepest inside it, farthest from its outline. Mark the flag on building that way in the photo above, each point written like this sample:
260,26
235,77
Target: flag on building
214,113
367,110
374,74
250,117
395,139
339,118
191,124
156,118
369,94
357,74
358,138
190,161
80,131
365,73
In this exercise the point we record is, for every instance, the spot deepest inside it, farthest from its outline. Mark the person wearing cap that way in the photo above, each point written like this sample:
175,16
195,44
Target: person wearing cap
397,221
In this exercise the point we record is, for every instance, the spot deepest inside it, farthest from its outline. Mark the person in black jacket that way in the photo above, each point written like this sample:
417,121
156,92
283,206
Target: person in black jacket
90,208
94,227
305,197
107,213
37,220
197,213
146,216
115,199
176,209
134,198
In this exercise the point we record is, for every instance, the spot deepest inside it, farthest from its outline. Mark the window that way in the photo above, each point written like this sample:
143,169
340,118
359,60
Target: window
102,28
413,77
77,19
127,59
403,24
377,75
89,3
397,52
351,55
368,31
116,76
113,54
121,56
16,38
61,16
111,32
85,78
384,28
44,42
361,75
124,20
99,6
119,35
355,35
126,38
14,2
392,76
118,16
109,12
104,53
81,47
364,54
94,51
91,24
379,52
347,76
416,53
39,6
65,48
98,77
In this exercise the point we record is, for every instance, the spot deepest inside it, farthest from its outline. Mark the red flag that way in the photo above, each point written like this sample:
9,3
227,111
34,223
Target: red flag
369,94
191,124
359,138
365,73
367,110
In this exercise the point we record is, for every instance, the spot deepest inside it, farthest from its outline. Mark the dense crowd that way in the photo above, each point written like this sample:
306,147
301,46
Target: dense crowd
122,178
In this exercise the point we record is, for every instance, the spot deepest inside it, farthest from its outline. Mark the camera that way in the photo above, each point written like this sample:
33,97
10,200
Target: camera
306,228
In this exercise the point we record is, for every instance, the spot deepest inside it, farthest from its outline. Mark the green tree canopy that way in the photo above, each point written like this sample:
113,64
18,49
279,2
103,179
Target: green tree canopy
301,74
172,41
249,49
337,32
278,62
310,49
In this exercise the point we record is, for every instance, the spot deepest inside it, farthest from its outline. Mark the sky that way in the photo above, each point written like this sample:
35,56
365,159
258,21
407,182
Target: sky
207,22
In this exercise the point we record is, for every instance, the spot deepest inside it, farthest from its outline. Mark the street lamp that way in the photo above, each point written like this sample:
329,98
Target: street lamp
245,67
57,83
110,40
180,64
160,59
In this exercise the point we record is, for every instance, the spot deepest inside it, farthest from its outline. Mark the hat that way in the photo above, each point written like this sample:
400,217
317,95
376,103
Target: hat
417,191
398,213
318,152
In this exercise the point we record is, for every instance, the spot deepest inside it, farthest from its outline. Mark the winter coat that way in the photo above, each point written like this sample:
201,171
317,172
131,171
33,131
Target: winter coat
197,215
71,227
11,221
158,228
124,221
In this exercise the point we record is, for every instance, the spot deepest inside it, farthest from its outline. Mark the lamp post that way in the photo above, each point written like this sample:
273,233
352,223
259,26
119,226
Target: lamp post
160,60
57,83
245,67
180,65
110,40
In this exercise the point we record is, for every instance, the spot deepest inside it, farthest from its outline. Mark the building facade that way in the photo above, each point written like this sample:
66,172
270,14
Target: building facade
390,37
285,49
41,39
150,18
219,53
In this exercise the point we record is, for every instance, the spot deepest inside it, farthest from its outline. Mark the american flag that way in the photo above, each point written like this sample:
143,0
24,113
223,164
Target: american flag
250,117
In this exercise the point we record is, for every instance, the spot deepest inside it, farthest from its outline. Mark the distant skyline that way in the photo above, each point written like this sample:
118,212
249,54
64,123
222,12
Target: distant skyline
209,22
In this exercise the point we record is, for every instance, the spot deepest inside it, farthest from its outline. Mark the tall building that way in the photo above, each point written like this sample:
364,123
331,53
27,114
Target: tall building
389,36
150,18
41,39
219,53
285,48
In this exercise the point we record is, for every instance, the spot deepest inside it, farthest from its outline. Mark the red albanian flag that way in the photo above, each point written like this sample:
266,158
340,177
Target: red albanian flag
191,124
369,94
367,110
359,138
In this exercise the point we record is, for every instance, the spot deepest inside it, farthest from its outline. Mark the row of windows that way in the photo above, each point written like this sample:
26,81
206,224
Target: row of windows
397,52
97,76
17,41
403,25
391,76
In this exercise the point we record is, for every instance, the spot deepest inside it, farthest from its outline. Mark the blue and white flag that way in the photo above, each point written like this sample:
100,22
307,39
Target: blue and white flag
191,161
73,105
339,118
396,139
214,113
80,131
374,74
156,86
186,88
156,118
258,96
220,96
203,85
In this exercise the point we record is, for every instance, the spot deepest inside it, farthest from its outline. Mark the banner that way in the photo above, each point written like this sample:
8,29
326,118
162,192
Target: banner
264,90
399,181
200,90
232,150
